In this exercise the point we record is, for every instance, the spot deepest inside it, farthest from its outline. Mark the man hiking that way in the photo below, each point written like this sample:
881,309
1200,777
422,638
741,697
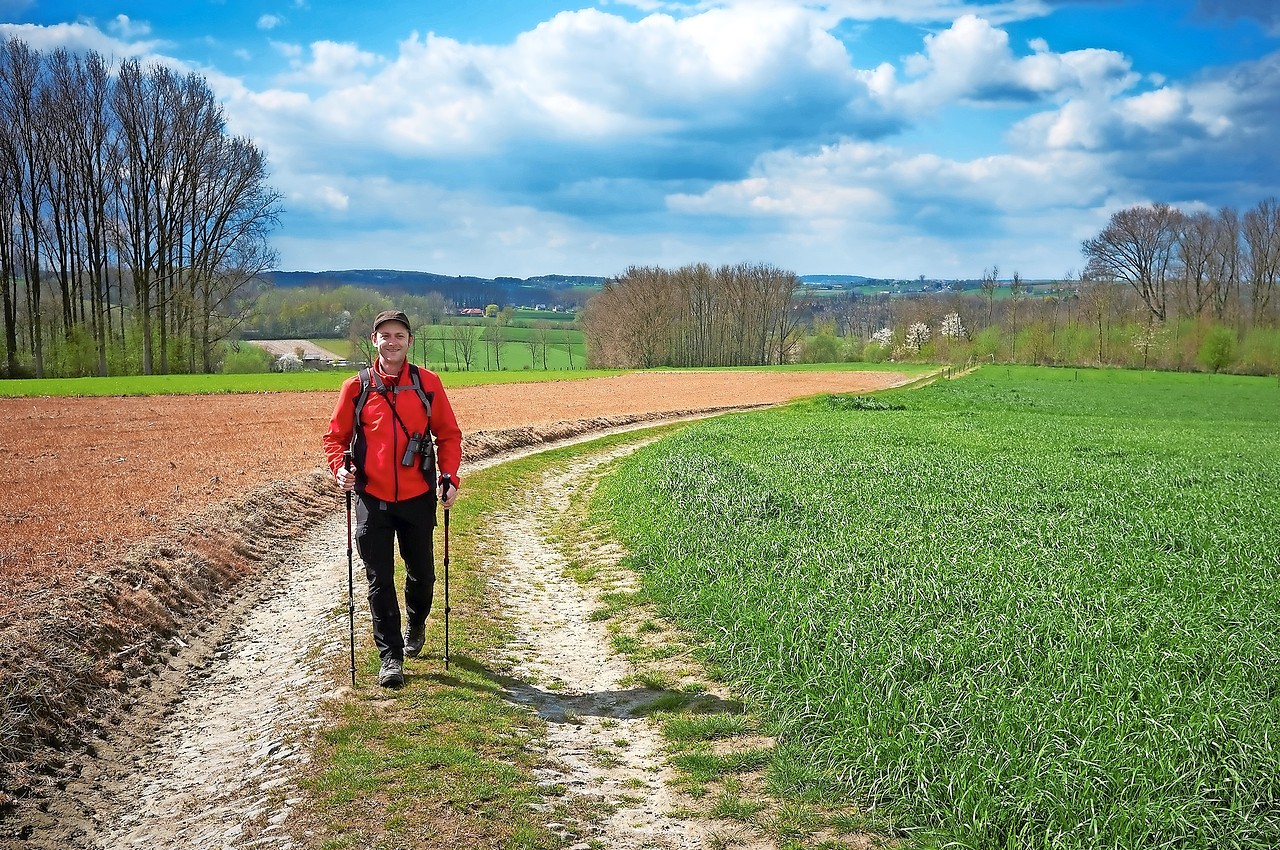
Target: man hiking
406,447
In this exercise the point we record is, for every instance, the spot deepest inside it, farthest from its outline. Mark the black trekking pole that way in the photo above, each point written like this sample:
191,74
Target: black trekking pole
351,599
445,483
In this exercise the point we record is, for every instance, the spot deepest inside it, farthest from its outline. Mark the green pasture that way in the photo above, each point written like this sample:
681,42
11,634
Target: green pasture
433,346
1026,608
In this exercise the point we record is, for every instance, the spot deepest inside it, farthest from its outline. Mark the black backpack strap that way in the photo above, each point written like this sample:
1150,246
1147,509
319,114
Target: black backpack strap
361,398
416,380
368,379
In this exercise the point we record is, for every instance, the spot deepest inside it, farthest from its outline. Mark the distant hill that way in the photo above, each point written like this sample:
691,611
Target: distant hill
417,280
570,291
465,291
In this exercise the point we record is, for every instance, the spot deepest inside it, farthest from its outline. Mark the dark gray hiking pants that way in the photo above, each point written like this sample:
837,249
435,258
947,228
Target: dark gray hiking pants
378,525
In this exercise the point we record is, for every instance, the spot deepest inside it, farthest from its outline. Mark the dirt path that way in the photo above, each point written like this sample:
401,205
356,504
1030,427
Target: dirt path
208,757
596,747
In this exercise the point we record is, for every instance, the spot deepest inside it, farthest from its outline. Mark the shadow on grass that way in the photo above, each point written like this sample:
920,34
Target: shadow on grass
566,706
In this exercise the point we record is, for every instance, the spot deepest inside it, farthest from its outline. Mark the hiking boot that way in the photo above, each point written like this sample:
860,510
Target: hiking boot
391,674
414,639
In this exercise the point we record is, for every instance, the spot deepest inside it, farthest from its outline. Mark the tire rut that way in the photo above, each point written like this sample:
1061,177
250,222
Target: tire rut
208,756
601,748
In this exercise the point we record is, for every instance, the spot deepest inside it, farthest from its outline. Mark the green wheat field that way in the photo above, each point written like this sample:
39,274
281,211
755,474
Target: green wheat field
1027,608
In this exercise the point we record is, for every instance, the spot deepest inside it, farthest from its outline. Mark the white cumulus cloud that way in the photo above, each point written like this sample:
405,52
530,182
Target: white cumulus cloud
973,61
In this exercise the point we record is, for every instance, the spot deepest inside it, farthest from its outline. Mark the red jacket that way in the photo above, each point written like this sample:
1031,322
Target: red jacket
380,473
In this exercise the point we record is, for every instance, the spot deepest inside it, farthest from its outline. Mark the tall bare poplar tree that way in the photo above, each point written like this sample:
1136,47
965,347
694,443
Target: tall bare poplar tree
113,176
20,81
8,247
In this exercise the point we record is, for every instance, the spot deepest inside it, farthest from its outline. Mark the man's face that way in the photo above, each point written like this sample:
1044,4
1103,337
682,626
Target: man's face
392,341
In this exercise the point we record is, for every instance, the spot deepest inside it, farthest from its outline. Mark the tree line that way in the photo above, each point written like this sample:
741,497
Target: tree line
132,223
734,315
1081,323
1196,264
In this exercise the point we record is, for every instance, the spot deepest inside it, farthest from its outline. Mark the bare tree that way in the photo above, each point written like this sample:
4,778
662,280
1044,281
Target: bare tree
8,246
143,157
1016,291
465,338
1262,236
494,336
771,307
1138,247
990,281
1225,270
233,212
1197,248
531,343
541,340
20,84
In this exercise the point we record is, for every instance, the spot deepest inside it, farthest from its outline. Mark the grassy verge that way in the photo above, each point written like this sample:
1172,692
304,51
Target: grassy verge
1031,608
444,761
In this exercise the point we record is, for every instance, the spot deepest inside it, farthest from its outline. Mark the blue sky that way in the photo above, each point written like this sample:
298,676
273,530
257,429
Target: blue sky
889,138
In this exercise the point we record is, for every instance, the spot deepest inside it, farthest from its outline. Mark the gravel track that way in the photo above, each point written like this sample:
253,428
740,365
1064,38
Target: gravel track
599,749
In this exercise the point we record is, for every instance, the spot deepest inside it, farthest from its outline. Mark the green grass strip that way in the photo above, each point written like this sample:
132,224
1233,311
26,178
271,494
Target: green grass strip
328,381
305,381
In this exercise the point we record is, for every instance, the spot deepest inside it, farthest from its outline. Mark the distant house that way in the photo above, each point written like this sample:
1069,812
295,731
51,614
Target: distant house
471,311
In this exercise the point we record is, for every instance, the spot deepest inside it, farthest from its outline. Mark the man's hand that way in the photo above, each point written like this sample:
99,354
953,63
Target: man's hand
346,479
447,491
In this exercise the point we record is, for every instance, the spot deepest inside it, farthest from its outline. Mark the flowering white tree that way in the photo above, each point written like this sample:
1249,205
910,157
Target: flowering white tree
917,336
883,337
342,323
289,363
952,327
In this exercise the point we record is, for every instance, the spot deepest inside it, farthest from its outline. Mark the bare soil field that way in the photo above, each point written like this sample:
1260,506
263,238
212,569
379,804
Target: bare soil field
125,519
281,347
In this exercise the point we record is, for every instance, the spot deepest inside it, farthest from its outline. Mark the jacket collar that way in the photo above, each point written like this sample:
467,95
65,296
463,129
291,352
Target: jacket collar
393,380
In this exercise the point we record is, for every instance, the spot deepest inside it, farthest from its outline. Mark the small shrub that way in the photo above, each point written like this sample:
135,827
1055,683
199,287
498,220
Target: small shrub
858,402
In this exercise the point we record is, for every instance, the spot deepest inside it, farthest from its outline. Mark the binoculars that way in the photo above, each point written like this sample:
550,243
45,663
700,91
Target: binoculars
420,445
414,448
